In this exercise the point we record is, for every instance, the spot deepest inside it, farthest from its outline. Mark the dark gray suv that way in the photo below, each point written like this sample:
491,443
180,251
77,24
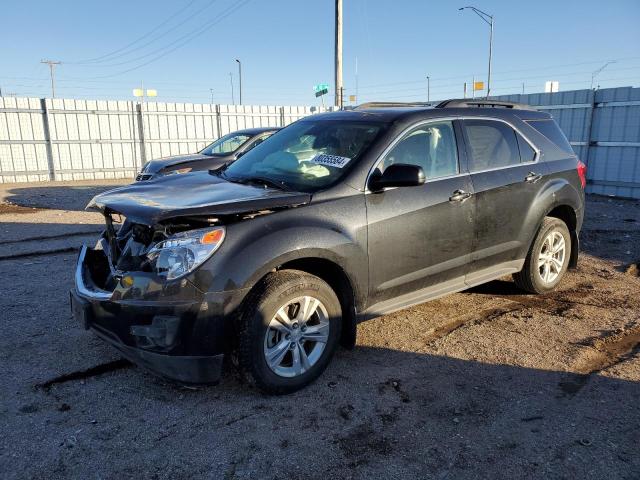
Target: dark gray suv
337,218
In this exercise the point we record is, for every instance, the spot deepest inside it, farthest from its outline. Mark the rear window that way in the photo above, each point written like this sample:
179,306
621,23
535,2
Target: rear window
550,129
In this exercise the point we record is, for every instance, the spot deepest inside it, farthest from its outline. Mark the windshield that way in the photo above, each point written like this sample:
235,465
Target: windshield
307,155
227,144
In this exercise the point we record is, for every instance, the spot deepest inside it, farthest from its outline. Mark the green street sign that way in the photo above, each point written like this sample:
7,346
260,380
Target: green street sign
320,87
319,93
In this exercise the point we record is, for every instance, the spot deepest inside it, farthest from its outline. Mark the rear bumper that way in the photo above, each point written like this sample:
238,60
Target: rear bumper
176,332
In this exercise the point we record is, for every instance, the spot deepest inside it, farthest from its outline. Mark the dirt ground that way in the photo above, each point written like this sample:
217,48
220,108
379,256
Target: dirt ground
488,383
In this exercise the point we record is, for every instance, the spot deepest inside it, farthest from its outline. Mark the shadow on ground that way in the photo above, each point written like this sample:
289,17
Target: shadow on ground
376,413
57,197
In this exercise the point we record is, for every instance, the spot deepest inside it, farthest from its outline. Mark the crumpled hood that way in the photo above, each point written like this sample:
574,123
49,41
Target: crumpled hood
154,166
190,194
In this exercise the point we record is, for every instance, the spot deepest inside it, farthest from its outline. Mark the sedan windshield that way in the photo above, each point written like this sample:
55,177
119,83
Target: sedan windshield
227,144
307,155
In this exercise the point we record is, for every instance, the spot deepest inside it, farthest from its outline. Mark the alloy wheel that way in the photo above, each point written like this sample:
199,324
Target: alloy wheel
296,336
551,257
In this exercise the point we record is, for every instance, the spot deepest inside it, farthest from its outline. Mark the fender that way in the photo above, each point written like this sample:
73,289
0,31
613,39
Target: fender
255,247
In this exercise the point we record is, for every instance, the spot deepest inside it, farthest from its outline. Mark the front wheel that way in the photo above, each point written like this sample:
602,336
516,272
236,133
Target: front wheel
289,330
548,258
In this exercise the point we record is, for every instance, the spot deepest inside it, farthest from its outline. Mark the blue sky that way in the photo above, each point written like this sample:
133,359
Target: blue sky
286,46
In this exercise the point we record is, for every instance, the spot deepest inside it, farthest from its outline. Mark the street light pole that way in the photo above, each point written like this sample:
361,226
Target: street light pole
240,77
489,20
428,89
595,74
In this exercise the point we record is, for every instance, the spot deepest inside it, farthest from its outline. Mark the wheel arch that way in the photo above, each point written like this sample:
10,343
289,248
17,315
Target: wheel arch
568,215
339,281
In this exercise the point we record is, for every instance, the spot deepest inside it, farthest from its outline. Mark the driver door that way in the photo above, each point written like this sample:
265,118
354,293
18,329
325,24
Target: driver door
420,238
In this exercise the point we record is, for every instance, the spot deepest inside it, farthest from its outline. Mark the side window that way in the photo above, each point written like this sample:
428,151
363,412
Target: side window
527,153
256,142
492,144
431,146
549,128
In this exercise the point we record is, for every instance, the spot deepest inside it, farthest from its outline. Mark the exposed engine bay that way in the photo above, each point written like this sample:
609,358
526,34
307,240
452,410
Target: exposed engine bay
170,249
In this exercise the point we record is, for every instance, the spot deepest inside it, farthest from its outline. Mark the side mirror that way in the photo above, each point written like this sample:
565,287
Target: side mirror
397,175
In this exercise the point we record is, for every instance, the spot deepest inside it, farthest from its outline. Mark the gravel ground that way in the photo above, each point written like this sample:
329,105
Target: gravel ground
486,383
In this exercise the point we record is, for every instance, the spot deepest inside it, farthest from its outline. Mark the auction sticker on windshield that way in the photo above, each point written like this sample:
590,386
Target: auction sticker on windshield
330,160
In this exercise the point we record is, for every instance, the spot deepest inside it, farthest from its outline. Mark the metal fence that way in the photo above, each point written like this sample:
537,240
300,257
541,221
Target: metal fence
604,128
57,139
62,139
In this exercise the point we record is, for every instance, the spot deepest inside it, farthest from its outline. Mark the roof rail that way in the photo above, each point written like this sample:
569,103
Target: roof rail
363,106
467,103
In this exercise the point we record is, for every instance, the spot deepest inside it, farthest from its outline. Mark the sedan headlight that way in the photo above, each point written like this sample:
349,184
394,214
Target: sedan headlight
183,252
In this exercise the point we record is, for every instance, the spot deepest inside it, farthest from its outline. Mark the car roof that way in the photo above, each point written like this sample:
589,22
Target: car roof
395,113
257,130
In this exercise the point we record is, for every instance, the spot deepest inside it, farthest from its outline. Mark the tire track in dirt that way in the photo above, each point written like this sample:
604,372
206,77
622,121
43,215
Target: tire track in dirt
95,371
483,316
51,237
602,353
56,251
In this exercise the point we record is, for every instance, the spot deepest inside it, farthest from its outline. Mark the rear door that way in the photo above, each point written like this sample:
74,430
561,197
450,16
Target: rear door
506,175
420,237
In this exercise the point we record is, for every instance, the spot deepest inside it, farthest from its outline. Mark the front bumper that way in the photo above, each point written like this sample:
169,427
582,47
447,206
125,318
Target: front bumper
171,329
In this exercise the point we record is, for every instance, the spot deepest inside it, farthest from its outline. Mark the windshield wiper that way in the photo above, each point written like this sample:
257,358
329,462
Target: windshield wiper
267,182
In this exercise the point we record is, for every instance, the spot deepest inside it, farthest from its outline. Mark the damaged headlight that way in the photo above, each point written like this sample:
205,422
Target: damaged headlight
183,252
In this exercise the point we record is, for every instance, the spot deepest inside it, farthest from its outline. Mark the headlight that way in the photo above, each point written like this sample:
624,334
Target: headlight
182,253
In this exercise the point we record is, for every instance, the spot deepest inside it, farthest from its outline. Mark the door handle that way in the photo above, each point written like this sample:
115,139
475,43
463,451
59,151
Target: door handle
532,177
459,196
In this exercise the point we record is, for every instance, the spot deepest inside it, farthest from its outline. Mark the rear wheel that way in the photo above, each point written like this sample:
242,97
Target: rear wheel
289,330
548,258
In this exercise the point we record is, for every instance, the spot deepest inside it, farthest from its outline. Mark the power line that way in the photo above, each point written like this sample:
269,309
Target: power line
156,28
548,67
189,38
97,63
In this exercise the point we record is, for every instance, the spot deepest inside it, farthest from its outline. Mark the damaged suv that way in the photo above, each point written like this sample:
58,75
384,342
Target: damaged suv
335,219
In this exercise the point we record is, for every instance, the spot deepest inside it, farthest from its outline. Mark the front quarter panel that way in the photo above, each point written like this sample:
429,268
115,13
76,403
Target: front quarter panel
333,229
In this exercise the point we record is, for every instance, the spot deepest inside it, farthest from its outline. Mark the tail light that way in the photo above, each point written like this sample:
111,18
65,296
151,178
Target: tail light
582,173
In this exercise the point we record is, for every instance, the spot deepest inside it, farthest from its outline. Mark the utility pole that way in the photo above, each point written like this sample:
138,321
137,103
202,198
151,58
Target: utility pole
233,99
240,76
211,90
338,55
52,65
428,89
357,97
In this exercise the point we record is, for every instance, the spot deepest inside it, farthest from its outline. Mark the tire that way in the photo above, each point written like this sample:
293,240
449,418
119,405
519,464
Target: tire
265,332
538,276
